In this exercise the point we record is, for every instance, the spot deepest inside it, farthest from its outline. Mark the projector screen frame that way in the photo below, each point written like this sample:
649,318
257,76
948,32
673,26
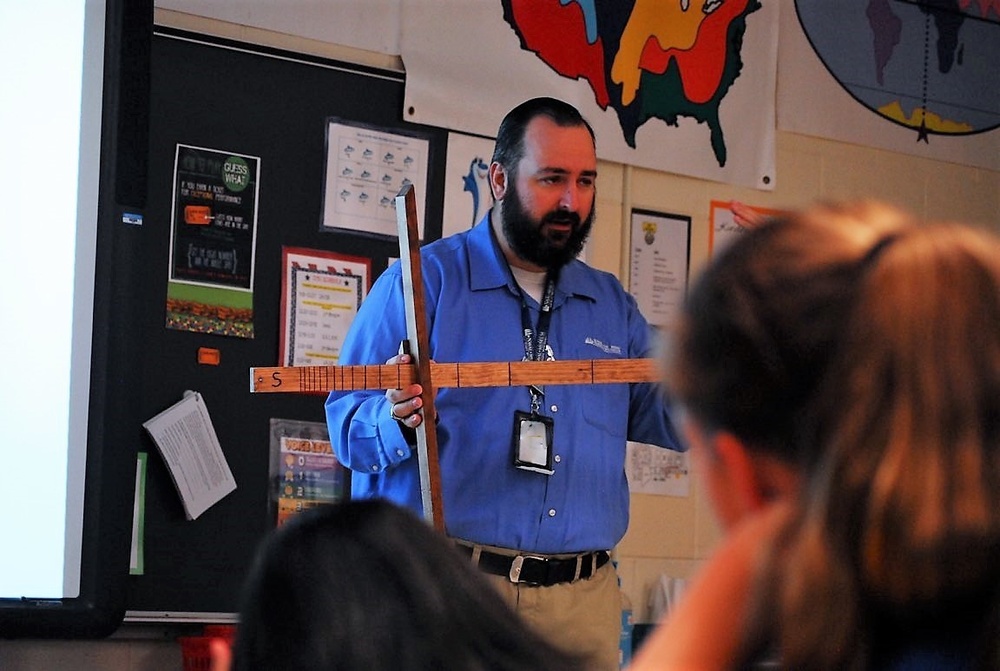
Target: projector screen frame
112,436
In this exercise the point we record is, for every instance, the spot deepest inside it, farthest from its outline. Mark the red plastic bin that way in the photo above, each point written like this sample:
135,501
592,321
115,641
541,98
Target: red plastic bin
195,649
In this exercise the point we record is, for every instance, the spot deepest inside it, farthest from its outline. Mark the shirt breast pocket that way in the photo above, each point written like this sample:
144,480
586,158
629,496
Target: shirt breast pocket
605,408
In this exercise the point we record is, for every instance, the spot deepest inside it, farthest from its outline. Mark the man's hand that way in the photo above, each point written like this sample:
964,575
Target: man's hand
404,404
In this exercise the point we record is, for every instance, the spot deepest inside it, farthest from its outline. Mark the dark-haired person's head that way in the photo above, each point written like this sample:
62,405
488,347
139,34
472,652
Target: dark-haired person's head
543,176
367,586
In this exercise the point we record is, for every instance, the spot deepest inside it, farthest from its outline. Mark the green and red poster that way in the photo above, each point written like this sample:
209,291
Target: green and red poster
213,235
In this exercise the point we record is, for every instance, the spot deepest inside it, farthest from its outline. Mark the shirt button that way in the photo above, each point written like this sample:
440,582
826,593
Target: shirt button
554,408
375,468
558,458
552,512
399,453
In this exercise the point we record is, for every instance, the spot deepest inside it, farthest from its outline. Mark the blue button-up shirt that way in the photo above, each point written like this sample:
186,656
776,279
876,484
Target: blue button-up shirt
474,314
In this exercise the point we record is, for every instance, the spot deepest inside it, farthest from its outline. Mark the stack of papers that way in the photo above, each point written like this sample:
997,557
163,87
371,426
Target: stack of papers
186,439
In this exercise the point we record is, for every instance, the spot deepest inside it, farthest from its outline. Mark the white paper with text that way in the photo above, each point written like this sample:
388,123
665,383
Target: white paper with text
187,442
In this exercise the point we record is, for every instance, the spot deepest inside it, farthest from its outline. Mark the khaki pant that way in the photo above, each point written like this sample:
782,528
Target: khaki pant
583,616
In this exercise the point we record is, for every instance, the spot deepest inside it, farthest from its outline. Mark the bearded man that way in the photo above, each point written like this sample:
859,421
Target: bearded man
532,480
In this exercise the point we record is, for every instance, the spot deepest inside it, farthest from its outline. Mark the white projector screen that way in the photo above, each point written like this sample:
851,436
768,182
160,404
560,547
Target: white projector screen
50,129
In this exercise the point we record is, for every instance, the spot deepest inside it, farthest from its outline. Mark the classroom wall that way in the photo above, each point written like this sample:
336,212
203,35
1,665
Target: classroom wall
668,535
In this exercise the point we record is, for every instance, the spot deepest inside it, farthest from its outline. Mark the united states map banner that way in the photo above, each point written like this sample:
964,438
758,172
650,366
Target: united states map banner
685,86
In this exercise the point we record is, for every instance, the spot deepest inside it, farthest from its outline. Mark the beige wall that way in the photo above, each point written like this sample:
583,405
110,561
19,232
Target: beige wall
127,651
668,535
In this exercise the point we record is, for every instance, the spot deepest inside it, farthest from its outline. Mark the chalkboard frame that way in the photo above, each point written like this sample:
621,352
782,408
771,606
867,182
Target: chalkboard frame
109,472
229,95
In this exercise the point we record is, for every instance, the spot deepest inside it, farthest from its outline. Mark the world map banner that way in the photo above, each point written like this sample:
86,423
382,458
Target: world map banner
919,78
686,86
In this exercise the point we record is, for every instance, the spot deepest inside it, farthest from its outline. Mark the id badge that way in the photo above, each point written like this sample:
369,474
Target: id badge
532,441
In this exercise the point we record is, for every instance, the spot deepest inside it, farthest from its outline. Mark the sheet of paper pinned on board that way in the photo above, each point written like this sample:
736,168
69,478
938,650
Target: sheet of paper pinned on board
656,470
186,439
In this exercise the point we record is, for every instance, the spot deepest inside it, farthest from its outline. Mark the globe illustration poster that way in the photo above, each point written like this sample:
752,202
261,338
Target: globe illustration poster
931,65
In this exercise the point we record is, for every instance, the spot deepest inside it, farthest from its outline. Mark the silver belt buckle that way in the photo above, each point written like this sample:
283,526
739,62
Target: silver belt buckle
515,566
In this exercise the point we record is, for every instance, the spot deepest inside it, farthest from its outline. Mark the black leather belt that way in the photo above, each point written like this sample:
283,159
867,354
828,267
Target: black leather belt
538,570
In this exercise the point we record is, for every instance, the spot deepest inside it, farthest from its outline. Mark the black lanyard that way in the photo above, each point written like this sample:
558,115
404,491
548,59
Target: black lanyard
536,339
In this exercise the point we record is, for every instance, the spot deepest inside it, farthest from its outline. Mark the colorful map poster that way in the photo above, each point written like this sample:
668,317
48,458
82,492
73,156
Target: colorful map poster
915,77
685,87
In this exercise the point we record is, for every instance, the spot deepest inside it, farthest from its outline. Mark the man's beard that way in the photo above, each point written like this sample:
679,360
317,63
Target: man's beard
528,239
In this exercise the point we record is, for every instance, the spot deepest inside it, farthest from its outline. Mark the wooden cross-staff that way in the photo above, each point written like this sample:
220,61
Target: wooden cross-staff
433,375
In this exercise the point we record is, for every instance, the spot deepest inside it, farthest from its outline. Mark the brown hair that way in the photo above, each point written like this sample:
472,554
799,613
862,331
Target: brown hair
865,348
760,324
902,519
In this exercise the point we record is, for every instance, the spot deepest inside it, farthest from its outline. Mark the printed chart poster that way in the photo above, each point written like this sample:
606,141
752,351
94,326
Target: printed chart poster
660,252
656,470
365,169
321,294
304,470
213,235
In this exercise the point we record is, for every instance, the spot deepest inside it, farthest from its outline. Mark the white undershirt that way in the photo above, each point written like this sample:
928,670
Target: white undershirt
531,282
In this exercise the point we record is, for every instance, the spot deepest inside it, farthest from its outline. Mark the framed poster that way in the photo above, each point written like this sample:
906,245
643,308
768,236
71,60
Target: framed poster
320,294
660,250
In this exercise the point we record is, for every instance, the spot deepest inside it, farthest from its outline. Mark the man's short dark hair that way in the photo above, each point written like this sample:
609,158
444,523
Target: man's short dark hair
510,137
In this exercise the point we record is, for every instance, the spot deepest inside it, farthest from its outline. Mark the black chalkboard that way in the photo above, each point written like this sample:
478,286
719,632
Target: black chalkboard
235,97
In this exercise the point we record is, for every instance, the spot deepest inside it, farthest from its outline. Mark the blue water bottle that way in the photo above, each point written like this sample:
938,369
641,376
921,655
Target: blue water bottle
625,640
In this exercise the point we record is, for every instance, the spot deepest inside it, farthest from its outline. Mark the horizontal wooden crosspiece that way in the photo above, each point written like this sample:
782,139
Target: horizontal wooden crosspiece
313,379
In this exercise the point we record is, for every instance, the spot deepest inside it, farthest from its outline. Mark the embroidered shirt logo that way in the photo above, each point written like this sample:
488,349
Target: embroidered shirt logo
608,349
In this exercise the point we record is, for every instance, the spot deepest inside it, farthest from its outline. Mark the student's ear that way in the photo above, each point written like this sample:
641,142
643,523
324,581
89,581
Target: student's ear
498,180
737,480
745,472
758,477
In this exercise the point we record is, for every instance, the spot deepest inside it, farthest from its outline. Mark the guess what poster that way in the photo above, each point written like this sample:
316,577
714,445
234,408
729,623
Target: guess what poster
213,234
